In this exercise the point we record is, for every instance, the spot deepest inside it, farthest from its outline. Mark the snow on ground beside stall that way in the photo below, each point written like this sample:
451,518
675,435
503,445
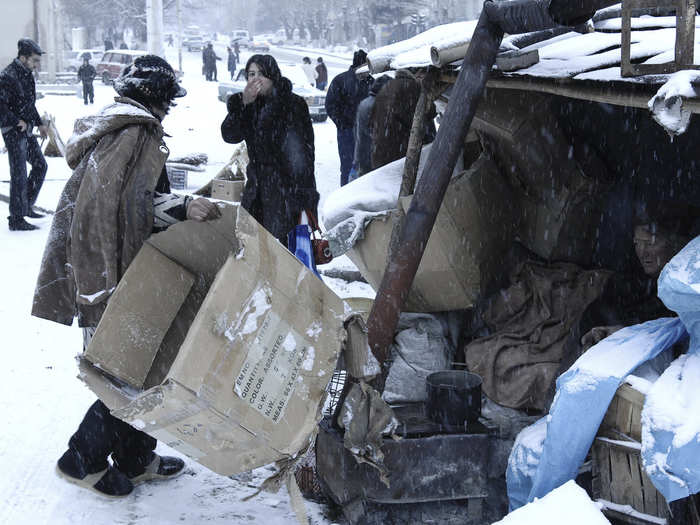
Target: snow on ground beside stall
41,399
567,504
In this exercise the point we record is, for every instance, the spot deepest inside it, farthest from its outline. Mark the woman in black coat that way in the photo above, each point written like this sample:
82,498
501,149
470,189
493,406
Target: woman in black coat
277,129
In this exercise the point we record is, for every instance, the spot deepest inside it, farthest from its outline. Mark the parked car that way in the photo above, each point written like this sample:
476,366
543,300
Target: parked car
115,60
259,46
279,38
74,59
193,43
241,36
315,98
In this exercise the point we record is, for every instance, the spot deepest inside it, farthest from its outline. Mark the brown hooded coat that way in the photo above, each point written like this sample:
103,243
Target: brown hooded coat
104,214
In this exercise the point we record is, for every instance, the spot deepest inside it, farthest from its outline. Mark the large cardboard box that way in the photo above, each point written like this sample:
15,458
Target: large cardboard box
474,228
227,190
245,384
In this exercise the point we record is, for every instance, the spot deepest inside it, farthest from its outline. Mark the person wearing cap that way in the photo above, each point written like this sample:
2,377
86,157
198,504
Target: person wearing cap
18,118
117,196
279,135
345,93
87,74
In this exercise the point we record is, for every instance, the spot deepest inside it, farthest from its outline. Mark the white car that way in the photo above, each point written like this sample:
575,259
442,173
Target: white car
315,98
241,36
74,59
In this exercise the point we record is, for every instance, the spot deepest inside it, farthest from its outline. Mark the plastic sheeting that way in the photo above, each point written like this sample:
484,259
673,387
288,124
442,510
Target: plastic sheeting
671,414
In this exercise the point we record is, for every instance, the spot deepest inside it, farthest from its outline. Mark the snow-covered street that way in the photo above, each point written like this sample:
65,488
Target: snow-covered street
42,401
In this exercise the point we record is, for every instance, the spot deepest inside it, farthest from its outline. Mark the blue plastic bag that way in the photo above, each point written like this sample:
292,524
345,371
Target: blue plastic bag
299,243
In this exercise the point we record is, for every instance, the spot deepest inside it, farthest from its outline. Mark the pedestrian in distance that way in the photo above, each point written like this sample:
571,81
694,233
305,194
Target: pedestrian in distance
345,93
87,74
310,70
232,62
117,196
277,129
321,74
18,118
237,51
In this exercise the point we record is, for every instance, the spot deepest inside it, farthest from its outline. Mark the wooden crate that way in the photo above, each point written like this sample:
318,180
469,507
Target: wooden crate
618,474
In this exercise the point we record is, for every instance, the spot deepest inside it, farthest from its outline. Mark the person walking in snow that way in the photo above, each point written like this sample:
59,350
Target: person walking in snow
237,51
344,96
232,62
321,74
310,70
18,117
277,129
117,196
87,74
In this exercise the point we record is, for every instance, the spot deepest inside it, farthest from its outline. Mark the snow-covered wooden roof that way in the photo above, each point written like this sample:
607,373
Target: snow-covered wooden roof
579,65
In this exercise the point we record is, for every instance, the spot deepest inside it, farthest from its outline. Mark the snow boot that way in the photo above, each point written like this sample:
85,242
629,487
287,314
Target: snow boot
108,482
162,467
20,225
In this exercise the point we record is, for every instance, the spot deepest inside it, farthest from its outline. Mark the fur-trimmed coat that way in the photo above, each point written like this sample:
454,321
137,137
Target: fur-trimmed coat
104,214
279,136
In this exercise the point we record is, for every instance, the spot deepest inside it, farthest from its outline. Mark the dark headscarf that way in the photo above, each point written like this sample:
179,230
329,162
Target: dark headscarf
359,58
268,66
149,79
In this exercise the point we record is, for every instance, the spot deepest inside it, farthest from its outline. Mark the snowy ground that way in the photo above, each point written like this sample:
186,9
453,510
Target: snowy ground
41,400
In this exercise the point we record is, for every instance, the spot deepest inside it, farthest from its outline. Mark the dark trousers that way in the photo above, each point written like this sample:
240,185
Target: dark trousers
23,148
88,92
346,151
321,85
101,434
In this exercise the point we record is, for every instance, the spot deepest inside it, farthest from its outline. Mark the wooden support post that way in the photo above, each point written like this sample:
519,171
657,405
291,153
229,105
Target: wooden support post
430,190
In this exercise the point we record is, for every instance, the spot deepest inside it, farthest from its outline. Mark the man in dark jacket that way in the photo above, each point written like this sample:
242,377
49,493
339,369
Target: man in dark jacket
277,129
344,95
87,74
18,117
321,74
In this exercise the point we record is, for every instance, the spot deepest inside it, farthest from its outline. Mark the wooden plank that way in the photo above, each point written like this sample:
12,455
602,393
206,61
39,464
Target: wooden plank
601,465
621,485
650,495
636,481
623,421
636,424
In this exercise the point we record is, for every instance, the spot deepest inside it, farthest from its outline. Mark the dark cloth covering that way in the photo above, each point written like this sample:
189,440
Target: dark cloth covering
279,136
529,324
363,127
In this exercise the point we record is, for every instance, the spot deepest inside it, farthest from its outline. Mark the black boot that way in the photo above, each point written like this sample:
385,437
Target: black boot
21,225
34,215
108,481
162,467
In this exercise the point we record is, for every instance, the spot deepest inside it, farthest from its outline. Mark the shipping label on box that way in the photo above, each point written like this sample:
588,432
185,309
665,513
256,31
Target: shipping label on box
227,190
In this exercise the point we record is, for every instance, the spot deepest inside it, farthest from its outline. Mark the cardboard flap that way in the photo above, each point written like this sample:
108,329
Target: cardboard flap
138,315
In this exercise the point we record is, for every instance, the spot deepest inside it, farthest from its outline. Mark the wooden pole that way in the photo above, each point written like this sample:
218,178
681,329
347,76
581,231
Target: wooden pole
430,190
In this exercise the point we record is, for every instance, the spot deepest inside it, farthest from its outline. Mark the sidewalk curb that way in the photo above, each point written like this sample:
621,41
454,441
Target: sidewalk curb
311,51
5,198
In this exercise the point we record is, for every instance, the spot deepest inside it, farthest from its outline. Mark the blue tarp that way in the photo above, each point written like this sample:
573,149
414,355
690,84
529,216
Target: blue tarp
584,392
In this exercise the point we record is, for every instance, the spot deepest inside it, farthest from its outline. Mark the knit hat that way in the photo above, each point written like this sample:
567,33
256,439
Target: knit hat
150,79
268,67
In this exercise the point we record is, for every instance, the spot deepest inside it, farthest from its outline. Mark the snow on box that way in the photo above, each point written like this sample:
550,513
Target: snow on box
233,372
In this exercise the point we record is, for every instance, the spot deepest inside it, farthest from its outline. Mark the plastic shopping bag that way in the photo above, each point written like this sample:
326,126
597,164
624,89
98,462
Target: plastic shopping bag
299,243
